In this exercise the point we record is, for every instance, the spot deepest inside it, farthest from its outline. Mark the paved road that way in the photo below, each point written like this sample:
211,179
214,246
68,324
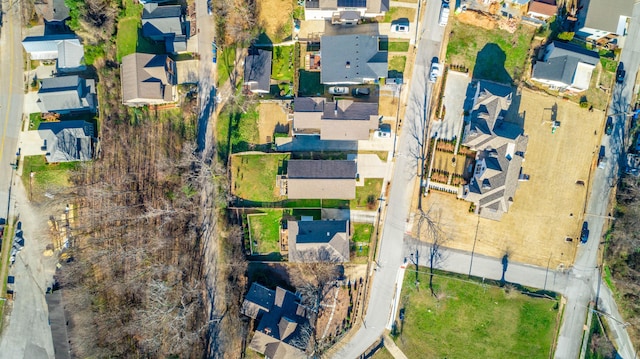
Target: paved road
585,276
391,250
11,97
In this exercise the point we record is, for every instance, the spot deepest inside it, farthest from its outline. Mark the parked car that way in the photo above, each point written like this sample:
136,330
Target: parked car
361,91
584,234
620,73
608,128
444,15
338,90
435,70
400,26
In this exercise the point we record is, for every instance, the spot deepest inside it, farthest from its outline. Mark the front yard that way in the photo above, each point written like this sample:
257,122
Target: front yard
396,13
473,320
46,177
367,195
396,66
360,242
489,54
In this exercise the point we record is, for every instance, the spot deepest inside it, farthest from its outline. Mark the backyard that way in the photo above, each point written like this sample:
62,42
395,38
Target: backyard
489,54
264,231
253,176
310,84
237,131
46,177
473,320
129,38
282,68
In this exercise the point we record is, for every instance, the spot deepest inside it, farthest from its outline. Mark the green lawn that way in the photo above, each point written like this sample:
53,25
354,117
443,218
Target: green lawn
254,176
473,321
490,54
398,46
396,13
225,63
396,66
236,131
367,195
283,67
362,232
34,120
127,38
310,84
382,353
265,231
47,177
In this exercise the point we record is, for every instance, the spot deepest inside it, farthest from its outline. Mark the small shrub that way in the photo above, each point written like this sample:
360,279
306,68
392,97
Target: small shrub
566,36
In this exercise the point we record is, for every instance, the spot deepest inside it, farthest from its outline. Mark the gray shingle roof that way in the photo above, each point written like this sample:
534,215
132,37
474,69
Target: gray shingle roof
605,14
352,59
340,120
561,61
257,70
318,241
67,141
66,94
147,78
158,21
321,169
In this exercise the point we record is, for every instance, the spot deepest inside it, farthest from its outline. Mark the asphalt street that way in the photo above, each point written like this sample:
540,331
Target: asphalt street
584,277
391,255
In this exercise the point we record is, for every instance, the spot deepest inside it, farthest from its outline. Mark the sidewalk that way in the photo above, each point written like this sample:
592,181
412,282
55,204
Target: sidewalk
393,348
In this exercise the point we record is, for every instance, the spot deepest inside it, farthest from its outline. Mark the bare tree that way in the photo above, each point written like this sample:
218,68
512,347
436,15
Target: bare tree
429,229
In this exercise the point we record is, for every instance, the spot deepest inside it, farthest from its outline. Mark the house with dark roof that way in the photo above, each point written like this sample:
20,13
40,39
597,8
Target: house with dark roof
257,70
566,67
65,48
166,23
542,9
606,22
343,120
353,59
500,148
67,95
344,9
321,179
283,327
318,241
52,11
67,141
148,79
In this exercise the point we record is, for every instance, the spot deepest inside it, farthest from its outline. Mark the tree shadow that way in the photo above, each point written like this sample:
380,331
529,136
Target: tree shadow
505,265
490,65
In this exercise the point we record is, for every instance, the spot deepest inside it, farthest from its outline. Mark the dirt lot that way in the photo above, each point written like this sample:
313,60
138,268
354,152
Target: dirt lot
274,14
443,162
272,118
477,19
388,104
548,208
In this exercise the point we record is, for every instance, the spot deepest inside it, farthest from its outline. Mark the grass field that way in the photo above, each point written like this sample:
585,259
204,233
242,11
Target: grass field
34,120
129,37
265,231
396,65
398,46
237,132
362,232
282,68
396,13
253,177
490,54
310,84
473,321
46,177
367,195
225,62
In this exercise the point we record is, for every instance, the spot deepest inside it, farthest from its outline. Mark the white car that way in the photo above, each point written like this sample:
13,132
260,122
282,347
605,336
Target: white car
435,72
338,90
400,28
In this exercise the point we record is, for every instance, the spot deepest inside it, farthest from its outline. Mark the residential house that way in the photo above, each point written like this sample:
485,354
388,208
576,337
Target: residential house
67,95
566,67
542,9
257,70
353,59
633,164
67,141
321,179
52,11
606,22
500,147
66,48
344,9
318,241
343,120
148,79
166,23
282,322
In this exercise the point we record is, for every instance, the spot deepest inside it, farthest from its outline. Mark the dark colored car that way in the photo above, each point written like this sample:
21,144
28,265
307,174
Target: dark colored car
608,128
361,91
620,73
584,234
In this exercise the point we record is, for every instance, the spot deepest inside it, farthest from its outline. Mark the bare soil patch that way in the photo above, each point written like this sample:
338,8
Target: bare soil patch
477,19
273,15
548,209
272,119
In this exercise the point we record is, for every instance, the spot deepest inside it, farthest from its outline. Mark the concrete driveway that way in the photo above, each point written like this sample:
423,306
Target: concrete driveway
30,143
30,103
451,126
370,166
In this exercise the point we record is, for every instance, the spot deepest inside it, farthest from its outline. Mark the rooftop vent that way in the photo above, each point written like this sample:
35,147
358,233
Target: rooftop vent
348,65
